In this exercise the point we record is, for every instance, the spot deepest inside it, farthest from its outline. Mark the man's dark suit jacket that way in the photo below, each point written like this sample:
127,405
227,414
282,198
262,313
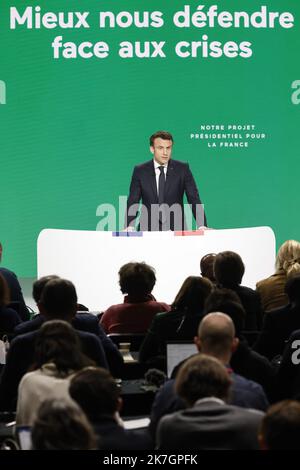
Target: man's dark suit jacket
112,436
288,376
179,181
20,357
244,393
16,294
83,322
210,426
250,300
278,326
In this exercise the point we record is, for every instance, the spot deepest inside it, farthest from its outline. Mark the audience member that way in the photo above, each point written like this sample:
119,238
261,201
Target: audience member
279,324
58,302
83,322
244,360
216,338
229,270
98,395
61,425
272,290
9,318
57,356
136,313
280,427
15,291
181,323
209,422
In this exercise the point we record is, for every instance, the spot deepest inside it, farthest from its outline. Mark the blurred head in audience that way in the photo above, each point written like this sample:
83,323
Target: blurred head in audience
228,269
192,295
288,258
57,342
60,425
216,336
4,292
227,301
202,376
96,392
58,300
137,279
292,289
38,286
280,428
207,266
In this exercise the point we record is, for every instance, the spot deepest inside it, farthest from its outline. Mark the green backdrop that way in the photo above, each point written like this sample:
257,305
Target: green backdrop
72,130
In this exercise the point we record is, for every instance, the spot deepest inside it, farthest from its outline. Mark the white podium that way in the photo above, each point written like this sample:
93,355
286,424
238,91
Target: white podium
92,259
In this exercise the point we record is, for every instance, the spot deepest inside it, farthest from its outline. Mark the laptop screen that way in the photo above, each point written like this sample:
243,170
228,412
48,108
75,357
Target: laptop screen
177,352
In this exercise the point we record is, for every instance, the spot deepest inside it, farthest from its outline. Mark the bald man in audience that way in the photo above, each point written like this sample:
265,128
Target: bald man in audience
216,337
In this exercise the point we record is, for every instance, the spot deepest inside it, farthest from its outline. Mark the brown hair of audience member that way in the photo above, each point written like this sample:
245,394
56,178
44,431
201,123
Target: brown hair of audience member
57,342
137,279
192,295
4,292
227,301
202,376
58,300
288,258
207,266
160,135
229,269
39,284
280,428
96,392
60,425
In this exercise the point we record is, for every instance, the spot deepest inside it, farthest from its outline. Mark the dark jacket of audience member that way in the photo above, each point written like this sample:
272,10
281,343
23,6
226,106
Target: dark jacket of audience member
229,270
208,422
279,324
9,318
16,294
181,323
288,375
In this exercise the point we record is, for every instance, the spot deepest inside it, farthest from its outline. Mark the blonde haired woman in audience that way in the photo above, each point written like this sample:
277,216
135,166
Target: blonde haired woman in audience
271,290
57,357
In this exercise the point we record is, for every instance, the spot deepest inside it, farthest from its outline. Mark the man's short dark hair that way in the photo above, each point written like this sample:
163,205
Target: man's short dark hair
229,269
59,298
280,428
137,279
202,376
292,288
38,286
227,301
160,135
96,391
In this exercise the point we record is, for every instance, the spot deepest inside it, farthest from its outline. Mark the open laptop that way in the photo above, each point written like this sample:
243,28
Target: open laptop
177,351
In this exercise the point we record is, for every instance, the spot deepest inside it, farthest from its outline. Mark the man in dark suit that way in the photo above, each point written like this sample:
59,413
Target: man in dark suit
160,185
208,423
59,301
